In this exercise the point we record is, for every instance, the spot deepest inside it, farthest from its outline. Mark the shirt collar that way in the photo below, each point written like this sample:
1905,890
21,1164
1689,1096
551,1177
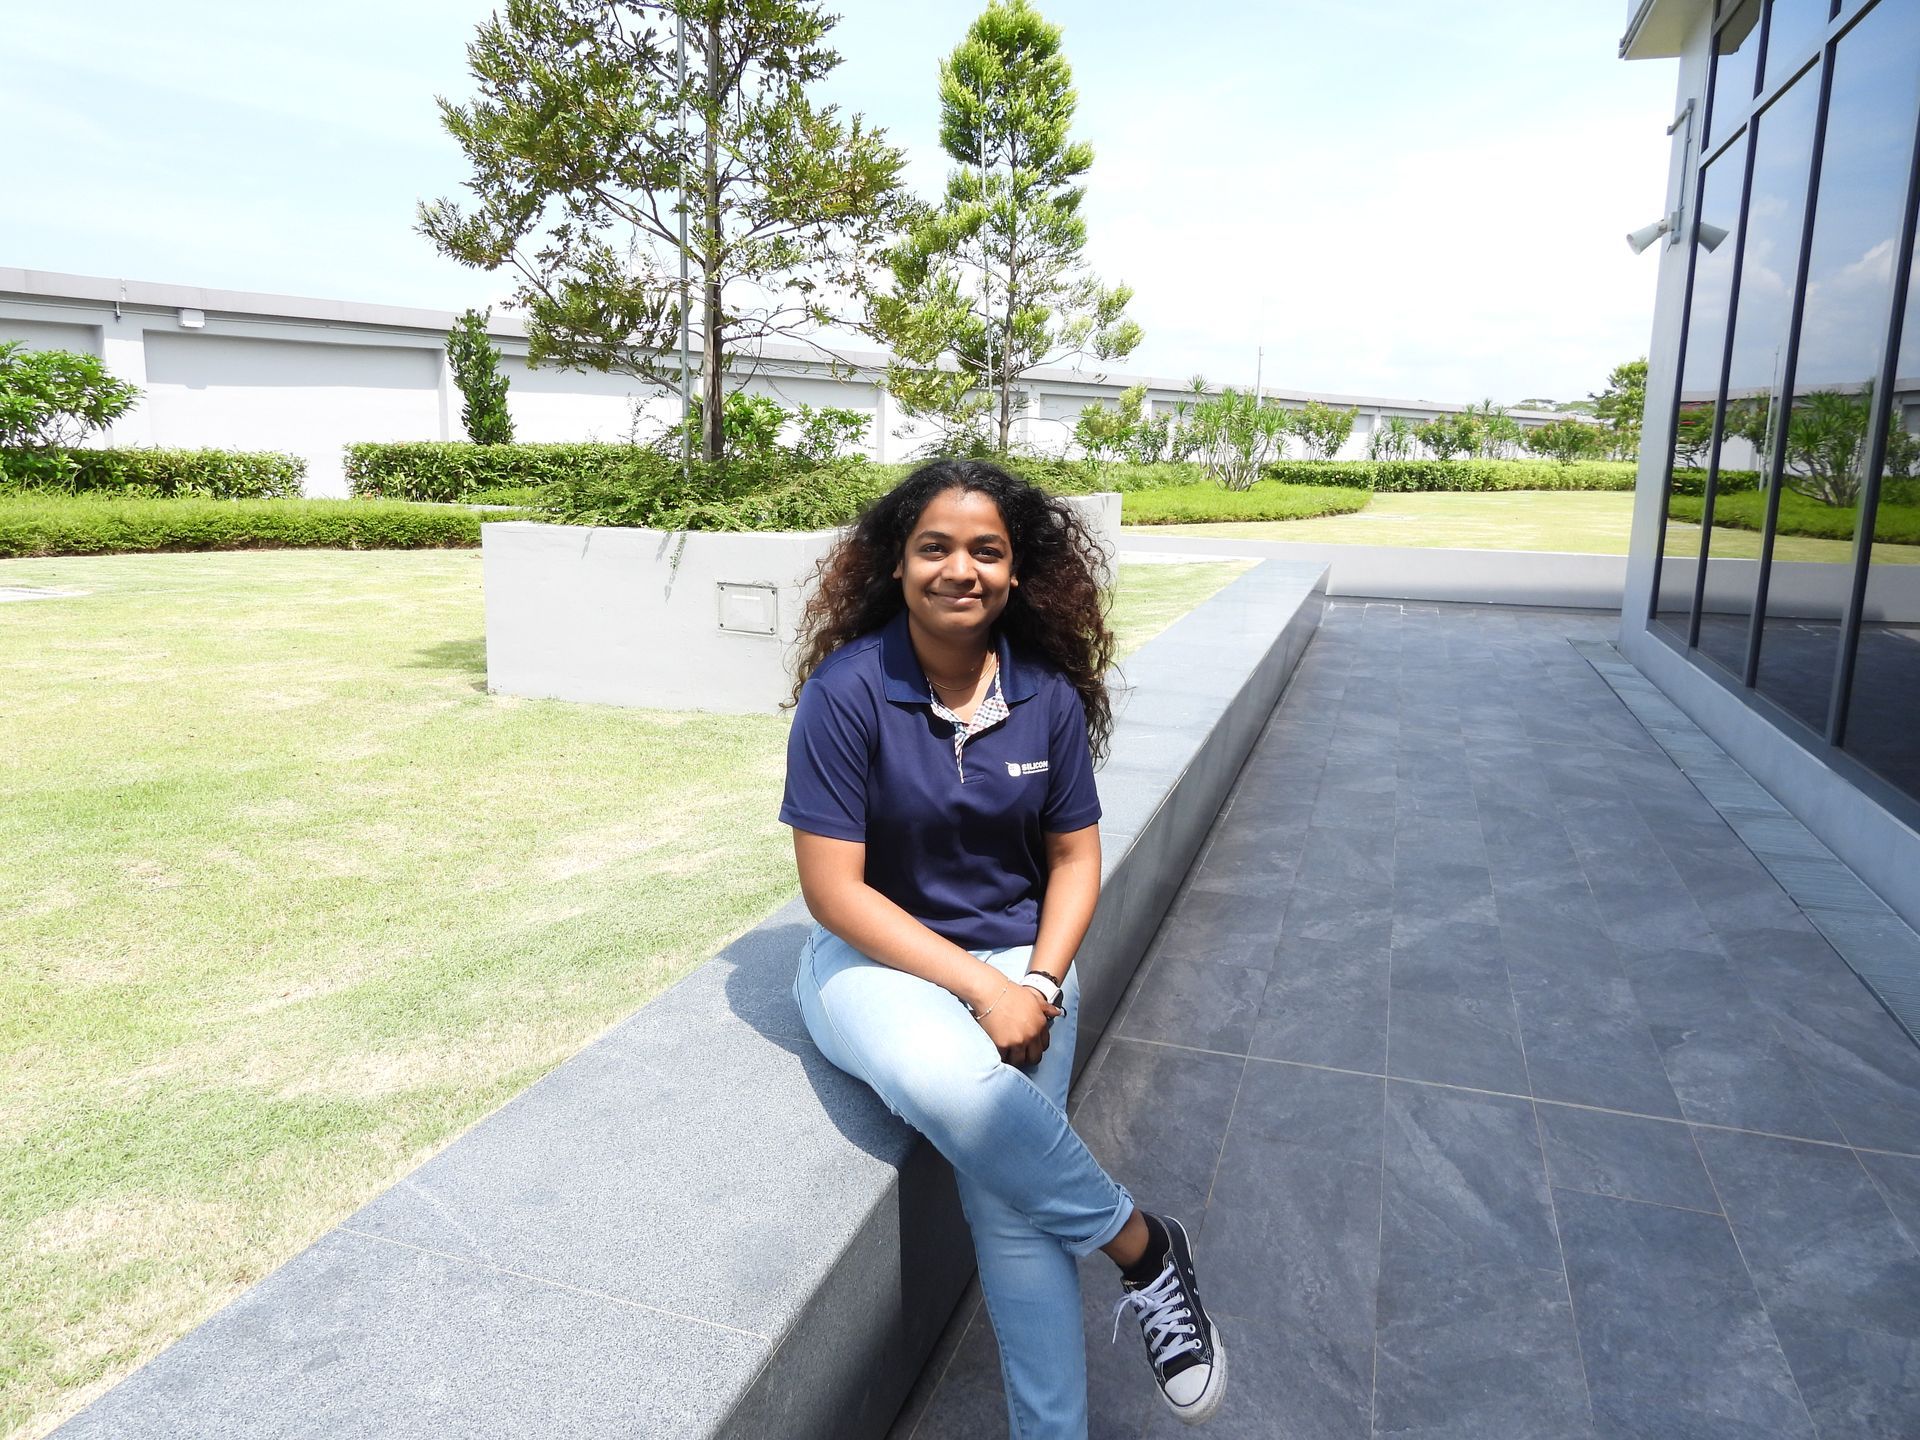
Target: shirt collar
905,682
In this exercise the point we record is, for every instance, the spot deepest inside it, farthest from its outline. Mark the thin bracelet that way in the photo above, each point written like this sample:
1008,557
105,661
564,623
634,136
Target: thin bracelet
982,1014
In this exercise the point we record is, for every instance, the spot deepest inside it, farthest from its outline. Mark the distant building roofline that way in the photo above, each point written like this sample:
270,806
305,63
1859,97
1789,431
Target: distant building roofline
55,287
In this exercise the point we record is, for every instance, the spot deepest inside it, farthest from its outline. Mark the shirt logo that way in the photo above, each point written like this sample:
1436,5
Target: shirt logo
1032,767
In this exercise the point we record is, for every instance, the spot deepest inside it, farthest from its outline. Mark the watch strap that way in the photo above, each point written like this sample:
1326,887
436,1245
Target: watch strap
1048,987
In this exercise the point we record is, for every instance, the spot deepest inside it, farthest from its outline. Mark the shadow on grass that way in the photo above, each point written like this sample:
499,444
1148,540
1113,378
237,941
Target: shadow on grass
458,657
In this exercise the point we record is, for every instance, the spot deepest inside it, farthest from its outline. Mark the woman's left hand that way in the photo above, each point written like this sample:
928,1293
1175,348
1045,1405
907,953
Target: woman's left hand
1017,1025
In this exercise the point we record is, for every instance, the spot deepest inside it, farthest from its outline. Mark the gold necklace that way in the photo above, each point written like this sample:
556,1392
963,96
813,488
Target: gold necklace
967,684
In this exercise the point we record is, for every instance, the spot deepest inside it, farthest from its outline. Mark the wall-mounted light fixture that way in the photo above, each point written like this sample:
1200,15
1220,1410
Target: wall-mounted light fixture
192,319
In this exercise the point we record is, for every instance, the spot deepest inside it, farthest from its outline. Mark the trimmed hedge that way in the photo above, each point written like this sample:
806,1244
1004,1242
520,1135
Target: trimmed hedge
459,471
1893,524
154,474
1265,500
51,524
1694,482
1408,476
455,469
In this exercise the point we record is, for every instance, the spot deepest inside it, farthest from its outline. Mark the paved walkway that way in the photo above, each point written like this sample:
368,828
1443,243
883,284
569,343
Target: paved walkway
1509,1095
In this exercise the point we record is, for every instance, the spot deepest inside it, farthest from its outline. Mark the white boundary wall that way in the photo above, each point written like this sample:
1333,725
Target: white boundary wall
702,621
233,369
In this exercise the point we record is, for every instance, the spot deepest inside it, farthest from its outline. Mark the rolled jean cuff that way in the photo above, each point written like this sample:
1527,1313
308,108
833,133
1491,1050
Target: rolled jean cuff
1122,1212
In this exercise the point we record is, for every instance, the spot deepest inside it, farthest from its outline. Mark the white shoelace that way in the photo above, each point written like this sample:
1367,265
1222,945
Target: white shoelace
1165,1318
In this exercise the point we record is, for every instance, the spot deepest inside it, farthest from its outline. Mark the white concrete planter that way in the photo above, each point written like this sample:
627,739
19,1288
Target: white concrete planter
667,620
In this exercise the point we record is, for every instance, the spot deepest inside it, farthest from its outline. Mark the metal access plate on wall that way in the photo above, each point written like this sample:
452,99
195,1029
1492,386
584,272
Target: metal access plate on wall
749,609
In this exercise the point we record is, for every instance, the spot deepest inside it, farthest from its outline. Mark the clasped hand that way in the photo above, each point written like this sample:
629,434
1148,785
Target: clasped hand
1017,1025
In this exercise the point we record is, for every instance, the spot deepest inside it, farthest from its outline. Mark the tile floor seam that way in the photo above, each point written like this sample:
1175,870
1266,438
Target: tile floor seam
556,1284
1637,1200
1538,1100
1566,1278
1733,1231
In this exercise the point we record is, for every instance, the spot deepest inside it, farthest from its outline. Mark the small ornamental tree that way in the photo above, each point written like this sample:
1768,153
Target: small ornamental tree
1106,432
598,162
1692,431
54,398
1449,435
1392,439
1322,429
1566,440
1620,407
476,370
1236,433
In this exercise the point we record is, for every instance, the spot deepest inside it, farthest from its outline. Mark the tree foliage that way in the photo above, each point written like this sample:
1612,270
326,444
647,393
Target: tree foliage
1446,436
1392,439
483,389
1235,433
1620,407
57,397
583,135
991,283
1567,440
1322,429
1108,432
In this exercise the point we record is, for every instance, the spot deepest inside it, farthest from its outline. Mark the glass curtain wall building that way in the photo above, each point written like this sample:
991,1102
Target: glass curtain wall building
1781,561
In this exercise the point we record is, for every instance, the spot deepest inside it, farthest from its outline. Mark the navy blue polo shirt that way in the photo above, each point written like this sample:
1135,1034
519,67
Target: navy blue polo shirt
958,842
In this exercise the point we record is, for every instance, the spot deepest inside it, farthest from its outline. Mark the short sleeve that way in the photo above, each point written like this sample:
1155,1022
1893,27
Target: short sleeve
1072,802
829,752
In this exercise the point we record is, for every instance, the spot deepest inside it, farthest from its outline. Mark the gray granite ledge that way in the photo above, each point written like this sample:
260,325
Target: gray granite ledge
697,1226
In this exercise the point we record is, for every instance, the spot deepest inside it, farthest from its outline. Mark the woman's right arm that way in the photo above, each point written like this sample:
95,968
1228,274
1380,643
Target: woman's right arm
833,880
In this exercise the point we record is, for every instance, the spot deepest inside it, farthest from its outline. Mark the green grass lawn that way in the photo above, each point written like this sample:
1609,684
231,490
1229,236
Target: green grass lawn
1577,522
290,900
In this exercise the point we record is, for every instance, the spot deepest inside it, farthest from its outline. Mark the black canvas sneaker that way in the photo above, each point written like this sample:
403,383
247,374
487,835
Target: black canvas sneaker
1189,1363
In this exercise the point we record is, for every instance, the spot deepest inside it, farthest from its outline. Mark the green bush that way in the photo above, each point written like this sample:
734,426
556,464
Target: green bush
1693,481
1405,476
476,370
1265,500
743,493
157,474
1799,515
57,397
454,469
53,524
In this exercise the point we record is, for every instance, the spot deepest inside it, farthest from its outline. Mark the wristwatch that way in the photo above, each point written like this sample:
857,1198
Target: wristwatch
1048,987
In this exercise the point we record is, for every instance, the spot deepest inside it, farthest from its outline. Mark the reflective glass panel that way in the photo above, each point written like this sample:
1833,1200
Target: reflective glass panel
1795,30
1883,719
1735,48
1699,386
1769,259
1850,274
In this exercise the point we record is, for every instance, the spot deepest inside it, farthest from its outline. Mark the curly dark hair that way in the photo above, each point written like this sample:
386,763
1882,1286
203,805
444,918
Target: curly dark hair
1057,609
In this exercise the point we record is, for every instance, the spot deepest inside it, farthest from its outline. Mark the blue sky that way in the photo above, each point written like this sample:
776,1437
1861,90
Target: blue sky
1391,197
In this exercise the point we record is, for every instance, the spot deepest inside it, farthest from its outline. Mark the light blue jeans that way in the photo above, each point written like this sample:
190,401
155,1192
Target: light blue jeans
1035,1197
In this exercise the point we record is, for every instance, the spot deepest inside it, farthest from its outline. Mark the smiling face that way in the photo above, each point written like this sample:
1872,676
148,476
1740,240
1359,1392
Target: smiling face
957,571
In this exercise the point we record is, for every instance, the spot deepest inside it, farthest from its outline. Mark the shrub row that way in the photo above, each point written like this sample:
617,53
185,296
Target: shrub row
52,524
1694,481
1894,524
1266,500
153,474
1404,476
453,470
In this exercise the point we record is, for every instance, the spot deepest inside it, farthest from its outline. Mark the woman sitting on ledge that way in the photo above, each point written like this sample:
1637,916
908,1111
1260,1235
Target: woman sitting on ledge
952,698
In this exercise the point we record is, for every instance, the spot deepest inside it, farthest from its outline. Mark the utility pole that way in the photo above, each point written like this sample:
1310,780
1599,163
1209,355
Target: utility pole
686,396
1259,355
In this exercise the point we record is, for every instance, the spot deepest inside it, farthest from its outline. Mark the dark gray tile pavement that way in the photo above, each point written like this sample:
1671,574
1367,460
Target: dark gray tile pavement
1507,1092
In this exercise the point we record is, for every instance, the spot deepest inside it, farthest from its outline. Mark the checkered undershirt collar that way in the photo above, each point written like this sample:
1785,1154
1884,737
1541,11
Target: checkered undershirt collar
987,714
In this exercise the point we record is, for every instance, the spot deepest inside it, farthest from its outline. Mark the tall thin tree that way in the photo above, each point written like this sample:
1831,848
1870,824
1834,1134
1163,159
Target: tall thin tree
992,283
